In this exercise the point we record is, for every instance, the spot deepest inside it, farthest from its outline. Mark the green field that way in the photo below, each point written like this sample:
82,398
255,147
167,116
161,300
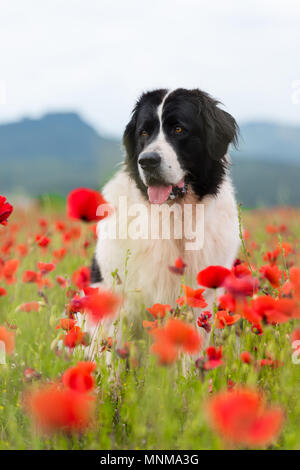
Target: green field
138,403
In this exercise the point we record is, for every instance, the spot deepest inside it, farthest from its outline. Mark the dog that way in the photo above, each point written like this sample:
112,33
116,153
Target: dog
176,147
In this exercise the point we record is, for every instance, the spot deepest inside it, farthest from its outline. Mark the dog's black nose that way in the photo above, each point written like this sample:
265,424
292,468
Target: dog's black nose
149,161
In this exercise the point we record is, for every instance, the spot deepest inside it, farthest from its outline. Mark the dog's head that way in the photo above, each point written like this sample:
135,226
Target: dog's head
176,139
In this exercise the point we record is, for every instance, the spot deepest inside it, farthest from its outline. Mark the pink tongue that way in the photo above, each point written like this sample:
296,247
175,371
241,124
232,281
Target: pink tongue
159,194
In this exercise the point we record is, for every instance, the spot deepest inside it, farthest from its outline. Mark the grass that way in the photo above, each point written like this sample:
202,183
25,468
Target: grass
140,404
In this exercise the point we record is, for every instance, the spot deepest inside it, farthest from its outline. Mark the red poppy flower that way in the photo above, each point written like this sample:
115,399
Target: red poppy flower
287,288
271,256
2,291
257,329
101,304
246,234
251,315
58,409
86,244
76,305
285,248
14,228
213,276
9,270
282,228
66,324
82,277
214,358
43,223
79,378
178,267
273,310
124,352
180,335
61,281
241,287
192,297
7,246
241,270
8,338
83,203
74,337
60,226
272,229
203,321
166,352
159,310
183,336
241,417
269,362
43,282
46,268
236,262
288,307
30,276
75,233
67,237
263,303
42,241
5,210
30,307
246,357
89,290
227,302
59,254
149,325
23,250
223,318
272,273
295,281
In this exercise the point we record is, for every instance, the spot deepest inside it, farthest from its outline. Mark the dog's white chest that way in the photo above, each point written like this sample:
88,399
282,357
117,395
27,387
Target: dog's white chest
142,263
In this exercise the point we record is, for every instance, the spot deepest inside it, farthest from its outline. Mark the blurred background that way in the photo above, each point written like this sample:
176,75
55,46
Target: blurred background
71,71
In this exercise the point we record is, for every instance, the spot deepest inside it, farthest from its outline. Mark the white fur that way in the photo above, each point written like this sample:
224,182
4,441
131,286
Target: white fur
148,278
170,169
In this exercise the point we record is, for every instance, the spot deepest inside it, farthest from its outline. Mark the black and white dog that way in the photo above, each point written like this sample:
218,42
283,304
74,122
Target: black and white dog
176,155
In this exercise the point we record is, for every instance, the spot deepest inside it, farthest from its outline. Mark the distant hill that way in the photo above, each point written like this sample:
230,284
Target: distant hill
266,166
55,153
270,142
60,151
263,183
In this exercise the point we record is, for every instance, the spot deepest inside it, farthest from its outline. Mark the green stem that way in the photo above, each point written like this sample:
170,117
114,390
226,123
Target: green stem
244,248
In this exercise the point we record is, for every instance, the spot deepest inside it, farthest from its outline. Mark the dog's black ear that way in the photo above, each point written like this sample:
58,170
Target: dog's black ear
129,134
220,127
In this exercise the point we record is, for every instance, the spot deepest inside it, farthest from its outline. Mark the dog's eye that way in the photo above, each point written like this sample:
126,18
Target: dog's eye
144,133
178,130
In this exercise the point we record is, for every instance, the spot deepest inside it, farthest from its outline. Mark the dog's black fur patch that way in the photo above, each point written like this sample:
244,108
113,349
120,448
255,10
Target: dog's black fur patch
96,275
144,116
200,148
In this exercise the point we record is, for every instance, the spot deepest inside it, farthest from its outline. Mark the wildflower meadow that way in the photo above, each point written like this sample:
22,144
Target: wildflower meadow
168,387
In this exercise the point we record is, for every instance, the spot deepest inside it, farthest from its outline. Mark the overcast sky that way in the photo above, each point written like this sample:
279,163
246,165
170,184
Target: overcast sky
96,56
